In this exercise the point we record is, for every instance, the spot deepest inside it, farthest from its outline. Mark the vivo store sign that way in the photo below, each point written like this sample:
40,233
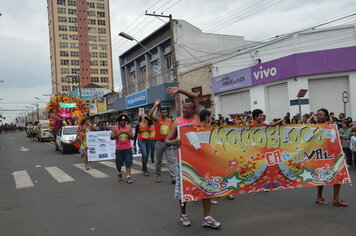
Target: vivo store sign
136,99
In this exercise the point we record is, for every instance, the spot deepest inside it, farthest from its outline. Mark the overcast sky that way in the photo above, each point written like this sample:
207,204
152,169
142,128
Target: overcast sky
24,42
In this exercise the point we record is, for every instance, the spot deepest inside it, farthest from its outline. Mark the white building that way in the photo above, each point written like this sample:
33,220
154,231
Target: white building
269,75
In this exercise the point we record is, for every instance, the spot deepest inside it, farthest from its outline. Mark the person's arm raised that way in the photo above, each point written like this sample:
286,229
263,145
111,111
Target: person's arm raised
174,90
153,110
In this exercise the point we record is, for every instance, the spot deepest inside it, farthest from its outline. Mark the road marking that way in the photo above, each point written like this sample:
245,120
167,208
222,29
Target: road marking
50,144
93,172
112,165
23,149
58,174
22,179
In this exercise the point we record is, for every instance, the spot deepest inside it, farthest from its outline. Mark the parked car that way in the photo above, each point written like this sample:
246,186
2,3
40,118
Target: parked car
43,132
65,138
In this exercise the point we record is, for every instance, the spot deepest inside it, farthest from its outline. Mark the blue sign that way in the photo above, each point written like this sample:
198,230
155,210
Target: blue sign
295,102
136,99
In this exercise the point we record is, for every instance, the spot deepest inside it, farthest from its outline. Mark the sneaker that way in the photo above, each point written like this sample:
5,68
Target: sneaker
119,176
210,222
173,181
164,163
158,180
146,173
230,197
212,201
129,180
184,220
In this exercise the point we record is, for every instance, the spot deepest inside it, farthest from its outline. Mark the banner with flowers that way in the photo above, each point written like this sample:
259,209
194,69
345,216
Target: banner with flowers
218,161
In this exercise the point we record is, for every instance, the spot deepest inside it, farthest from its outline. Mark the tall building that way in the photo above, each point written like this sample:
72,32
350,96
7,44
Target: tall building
80,44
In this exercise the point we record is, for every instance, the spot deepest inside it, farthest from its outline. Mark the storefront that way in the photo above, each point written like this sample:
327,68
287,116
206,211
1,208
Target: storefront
273,86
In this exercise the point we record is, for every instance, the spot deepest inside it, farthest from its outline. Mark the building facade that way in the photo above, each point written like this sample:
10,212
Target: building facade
80,44
185,63
323,61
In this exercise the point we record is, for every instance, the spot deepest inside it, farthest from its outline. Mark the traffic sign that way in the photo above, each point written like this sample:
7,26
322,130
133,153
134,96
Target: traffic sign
345,97
302,93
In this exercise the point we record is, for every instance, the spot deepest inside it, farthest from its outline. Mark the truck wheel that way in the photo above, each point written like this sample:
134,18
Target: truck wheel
64,150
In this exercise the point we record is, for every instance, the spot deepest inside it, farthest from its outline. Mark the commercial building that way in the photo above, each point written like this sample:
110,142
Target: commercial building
80,44
170,56
323,61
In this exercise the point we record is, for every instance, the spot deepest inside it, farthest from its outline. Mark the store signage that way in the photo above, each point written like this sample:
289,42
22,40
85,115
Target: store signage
67,105
231,81
136,99
345,97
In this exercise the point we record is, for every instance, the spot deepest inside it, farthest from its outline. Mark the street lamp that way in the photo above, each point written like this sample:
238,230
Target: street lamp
129,37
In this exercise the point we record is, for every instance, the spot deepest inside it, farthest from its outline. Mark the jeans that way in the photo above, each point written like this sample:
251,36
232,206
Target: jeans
354,154
169,152
348,156
152,150
145,146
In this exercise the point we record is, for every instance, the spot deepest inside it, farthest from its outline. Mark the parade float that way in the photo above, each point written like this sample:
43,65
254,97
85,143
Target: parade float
65,111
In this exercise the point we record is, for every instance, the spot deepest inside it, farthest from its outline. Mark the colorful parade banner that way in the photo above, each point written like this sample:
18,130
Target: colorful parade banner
218,161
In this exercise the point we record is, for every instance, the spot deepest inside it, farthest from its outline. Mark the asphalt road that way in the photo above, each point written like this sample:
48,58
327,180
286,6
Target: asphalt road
86,205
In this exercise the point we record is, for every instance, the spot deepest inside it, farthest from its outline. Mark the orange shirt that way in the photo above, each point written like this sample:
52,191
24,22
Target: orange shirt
144,133
162,128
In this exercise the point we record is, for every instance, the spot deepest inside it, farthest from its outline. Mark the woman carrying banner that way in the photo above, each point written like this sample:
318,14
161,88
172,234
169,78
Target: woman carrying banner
323,117
85,127
190,117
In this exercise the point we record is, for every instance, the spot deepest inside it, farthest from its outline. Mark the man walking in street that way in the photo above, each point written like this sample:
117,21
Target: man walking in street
123,133
162,125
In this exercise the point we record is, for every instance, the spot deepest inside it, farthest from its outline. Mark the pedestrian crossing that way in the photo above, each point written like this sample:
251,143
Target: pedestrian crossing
23,180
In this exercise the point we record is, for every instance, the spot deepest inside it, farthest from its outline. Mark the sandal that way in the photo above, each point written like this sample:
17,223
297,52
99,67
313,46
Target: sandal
340,203
321,201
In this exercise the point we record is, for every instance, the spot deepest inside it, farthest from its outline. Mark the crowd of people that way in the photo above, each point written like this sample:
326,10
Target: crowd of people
155,134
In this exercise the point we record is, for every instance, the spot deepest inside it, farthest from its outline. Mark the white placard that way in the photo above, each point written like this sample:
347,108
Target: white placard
100,146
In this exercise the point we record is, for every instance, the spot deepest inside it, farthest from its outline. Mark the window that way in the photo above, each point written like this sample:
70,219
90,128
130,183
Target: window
93,54
62,19
74,54
62,10
91,5
64,79
63,45
64,62
102,46
73,37
63,36
101,30
100,6
62,28
72,3
92,30
103,63
73,28
143,73
61,2
93,46
91,13
65,71
102,38
65,88
64,54
94,71
72,19
92,38
74,45
104,71
72,11
169,61
100,14
94,63
74,62
103,55
92,22
101,22
104,80
94,79
75,70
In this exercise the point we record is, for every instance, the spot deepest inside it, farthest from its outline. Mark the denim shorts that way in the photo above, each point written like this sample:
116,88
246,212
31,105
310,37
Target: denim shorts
123,157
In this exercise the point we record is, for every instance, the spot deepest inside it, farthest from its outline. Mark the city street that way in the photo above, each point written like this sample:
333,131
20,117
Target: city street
44,192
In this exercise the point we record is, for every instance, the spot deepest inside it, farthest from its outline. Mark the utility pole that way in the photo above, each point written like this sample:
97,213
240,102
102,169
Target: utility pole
174,59
38,113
